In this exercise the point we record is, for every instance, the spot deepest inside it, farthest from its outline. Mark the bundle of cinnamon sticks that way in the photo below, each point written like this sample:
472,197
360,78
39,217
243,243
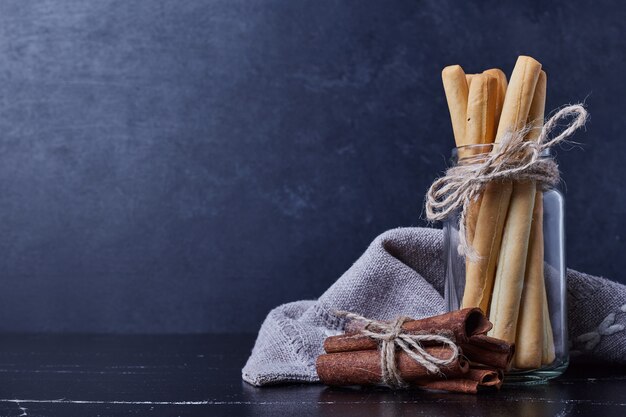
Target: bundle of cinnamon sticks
354,358
505,223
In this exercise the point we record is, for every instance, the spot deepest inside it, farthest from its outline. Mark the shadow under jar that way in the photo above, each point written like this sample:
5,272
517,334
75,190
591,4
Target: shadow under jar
518,277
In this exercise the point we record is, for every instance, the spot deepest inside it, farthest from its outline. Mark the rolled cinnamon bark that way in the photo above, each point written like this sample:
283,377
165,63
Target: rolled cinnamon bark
485,350
486,377
349,343
469,384
479,349
462,324
458,385
364,367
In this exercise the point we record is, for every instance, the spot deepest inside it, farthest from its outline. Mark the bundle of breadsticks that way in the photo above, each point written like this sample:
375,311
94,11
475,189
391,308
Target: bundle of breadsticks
505,223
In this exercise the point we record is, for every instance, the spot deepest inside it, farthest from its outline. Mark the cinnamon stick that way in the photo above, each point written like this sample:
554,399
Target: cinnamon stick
478,348
458,385
469,384
364,367
482,349
349,343
462,324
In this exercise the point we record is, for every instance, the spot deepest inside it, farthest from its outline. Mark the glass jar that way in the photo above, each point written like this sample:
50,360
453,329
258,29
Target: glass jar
503,280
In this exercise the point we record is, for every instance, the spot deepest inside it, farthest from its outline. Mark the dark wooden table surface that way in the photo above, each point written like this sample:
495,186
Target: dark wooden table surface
199,375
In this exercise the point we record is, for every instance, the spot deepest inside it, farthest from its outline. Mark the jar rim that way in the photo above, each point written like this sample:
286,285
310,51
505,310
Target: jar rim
477,149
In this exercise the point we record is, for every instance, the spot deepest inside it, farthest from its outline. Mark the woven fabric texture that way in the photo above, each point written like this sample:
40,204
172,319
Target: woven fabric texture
402,273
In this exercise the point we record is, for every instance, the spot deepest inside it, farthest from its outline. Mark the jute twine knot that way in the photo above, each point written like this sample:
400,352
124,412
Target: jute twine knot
391,336
513,158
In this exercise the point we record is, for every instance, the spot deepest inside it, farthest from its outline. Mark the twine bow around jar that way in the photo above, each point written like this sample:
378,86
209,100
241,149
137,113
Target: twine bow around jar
392,336
513,158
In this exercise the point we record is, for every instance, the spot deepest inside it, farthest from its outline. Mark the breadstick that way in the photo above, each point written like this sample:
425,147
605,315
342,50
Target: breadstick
485,232
537,107
530,325
487,238
549,354
455,86
480,129
509,280
481,110
519,95
468,78
472,217
502,84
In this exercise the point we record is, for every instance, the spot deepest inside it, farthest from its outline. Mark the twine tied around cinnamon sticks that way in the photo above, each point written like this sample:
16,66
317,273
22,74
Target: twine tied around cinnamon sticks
513,158
390,335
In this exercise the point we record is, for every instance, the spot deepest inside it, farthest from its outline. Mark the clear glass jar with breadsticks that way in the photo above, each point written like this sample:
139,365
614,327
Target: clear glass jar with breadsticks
504,217
537,307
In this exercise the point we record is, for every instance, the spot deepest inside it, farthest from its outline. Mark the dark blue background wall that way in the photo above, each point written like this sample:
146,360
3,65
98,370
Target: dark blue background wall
174,166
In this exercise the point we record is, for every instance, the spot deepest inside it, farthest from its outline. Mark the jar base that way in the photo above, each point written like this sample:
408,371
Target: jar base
536,376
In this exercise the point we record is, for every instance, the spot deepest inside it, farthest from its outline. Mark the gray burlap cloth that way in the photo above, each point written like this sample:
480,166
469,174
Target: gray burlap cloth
402,273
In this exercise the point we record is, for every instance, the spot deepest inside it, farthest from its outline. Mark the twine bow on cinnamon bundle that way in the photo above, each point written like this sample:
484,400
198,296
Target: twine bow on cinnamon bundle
392,336
447,352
